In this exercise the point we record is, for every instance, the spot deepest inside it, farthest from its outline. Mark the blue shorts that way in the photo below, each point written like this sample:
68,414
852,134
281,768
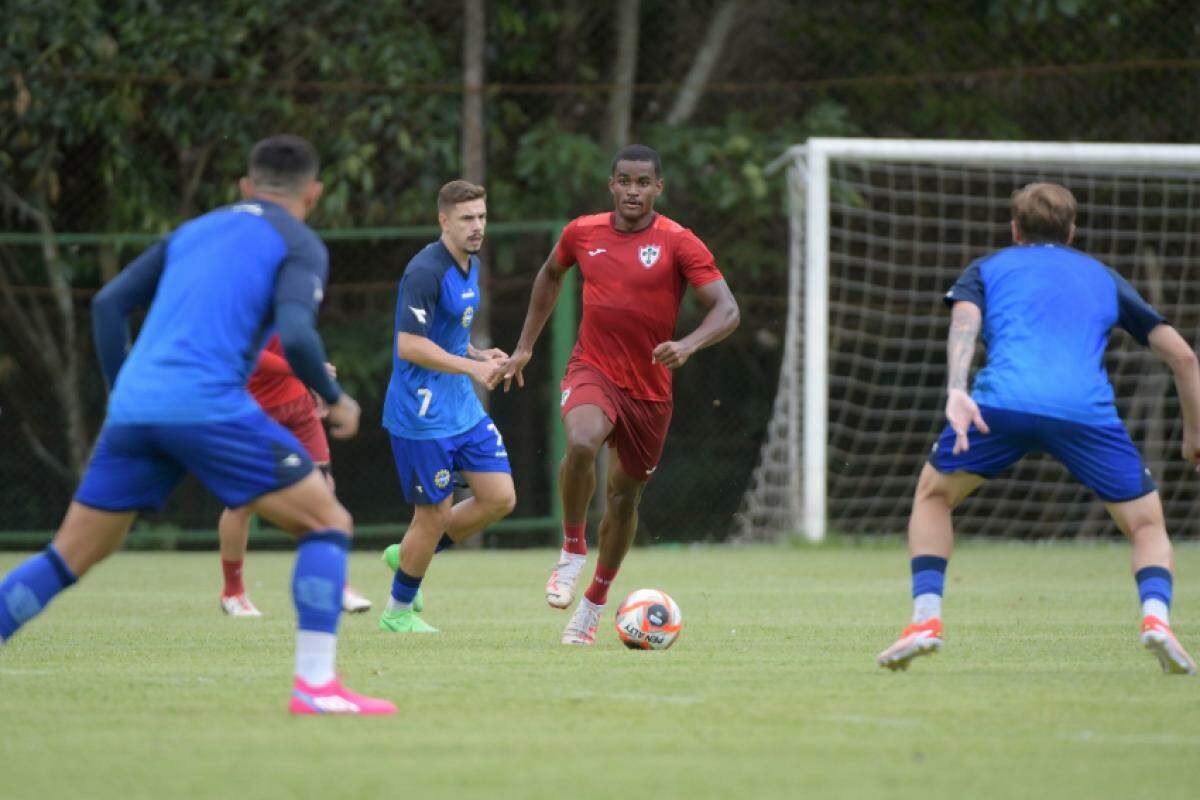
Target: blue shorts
1101,457
136,467
426,466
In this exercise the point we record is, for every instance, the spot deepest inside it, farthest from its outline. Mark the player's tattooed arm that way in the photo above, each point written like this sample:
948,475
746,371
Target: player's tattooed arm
965,319
961,409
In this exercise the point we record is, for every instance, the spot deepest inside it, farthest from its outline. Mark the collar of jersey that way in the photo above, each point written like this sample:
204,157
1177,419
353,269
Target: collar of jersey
612,224
450,256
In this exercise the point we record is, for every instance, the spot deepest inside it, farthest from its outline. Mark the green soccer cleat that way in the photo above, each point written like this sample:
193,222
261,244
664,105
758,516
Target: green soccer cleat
391,557
404,622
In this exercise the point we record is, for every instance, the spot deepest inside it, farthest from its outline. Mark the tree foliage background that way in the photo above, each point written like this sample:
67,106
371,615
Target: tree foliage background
129,116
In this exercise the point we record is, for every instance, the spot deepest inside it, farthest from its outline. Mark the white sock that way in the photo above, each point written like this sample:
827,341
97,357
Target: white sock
395,605
316,653
926,607
1157,608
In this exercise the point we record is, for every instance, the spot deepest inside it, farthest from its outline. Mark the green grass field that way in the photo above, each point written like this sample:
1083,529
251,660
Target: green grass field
134,685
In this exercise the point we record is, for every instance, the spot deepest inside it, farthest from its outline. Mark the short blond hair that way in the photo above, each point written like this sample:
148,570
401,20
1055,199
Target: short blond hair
1044,212
459,191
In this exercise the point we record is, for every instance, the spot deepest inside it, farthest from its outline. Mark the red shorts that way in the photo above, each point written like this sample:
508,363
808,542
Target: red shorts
639,426
300,417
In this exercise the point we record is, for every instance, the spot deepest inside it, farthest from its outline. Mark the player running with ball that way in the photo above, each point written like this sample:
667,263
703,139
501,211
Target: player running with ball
437,424
1046,311
636,265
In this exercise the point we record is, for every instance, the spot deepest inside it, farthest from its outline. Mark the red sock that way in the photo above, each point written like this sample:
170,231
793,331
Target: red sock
597,593
233,578
575,538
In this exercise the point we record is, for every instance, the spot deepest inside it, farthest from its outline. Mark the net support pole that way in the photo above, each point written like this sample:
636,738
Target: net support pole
816,340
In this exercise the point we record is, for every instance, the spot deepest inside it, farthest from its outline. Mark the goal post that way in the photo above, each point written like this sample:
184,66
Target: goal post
878,230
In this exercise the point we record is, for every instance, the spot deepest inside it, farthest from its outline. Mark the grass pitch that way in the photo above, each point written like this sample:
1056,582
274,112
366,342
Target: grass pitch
134,685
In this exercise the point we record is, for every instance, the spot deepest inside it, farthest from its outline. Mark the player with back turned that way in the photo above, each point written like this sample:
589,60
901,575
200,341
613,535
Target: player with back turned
1046,311
216,287
636,265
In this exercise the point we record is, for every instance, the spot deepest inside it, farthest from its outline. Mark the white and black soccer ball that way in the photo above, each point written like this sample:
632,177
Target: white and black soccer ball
649,620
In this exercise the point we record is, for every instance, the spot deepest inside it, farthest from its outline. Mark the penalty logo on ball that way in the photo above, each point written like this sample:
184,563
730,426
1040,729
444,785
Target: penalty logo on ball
648,620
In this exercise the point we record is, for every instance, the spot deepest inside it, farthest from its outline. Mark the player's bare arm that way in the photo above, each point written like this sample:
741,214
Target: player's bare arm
961,410
426,353
720,321
546,288
1176,353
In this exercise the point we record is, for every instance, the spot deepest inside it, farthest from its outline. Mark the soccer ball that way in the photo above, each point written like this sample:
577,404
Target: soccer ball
648,620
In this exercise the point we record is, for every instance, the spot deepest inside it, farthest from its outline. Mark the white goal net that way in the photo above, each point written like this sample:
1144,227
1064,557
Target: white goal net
880,229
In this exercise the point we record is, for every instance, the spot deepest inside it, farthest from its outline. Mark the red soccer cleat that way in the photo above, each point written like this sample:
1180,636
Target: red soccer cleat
917,639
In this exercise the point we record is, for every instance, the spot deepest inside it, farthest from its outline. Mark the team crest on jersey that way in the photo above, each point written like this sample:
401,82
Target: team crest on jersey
442,478
468,315
648,253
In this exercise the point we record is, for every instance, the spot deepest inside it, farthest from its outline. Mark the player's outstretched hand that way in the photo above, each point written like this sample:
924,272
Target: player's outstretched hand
962,413
671,355
514,367
343,417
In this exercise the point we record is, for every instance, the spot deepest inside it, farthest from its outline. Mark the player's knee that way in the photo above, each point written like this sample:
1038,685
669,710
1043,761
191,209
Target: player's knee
503,505
623,500
581,450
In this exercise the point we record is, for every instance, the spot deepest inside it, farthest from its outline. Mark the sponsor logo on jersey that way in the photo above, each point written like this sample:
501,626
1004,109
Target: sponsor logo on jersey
468,315
291,460
649,253
248,208
419,313
442,478
565,395
596,252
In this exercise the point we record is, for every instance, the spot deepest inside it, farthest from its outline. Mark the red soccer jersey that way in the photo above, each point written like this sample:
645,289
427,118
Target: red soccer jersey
632,285
273,383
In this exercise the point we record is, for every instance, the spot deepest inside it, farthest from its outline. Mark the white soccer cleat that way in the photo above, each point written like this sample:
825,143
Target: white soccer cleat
560,588
239,605
582,627
353,601
1159,640
918,639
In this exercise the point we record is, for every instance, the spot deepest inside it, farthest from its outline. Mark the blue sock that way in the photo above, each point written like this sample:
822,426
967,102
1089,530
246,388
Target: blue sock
404,587
445,543
30,587
318,579
1154,583
928,575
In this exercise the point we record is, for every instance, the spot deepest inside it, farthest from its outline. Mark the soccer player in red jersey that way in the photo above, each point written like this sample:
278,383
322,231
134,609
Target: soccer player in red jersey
636,265
286,400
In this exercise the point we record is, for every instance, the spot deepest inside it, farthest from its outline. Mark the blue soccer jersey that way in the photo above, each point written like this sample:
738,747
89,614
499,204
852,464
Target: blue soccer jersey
438,301
219,284
1048,310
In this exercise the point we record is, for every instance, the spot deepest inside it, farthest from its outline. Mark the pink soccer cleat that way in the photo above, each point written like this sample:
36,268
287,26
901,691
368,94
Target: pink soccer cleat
1159,640
333,698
